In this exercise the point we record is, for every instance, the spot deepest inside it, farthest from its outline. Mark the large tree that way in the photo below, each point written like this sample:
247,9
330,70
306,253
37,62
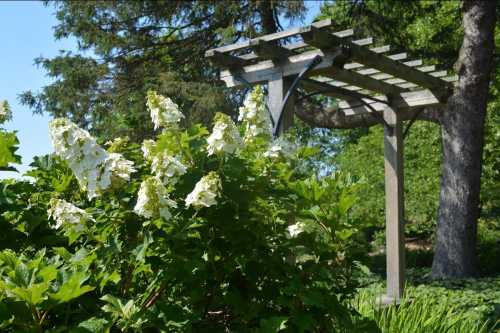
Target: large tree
129,47
461,121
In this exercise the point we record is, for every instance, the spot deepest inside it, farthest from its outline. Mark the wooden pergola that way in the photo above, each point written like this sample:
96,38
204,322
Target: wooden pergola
366,80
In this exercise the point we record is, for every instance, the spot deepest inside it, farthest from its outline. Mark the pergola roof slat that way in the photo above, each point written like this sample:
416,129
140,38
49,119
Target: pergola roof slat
406,100
368,70
280,35
413,63
380,49
451,78
364,56
439,74
364,41
429,68
360,80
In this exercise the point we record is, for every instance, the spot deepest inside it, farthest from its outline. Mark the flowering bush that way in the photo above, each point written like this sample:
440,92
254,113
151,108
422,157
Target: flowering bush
190,232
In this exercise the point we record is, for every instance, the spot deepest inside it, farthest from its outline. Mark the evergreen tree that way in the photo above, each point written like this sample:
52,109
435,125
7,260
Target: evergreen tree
129,47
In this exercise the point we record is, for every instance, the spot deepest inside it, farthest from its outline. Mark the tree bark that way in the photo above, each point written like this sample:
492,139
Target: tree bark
462,127
268,22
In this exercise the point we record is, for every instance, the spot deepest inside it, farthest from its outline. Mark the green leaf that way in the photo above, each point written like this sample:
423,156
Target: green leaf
273,324
8,147
344,234
72,288
93,325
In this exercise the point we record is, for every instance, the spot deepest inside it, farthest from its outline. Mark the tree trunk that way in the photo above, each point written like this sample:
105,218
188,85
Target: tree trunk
268,22
462,126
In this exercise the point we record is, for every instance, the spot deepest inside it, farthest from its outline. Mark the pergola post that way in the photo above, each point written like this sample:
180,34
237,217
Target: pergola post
394,205
278,87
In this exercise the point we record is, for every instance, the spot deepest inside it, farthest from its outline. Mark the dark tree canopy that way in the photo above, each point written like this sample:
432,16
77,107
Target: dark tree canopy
129,47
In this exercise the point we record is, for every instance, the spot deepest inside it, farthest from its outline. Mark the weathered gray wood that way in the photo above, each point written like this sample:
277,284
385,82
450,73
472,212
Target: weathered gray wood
426,69
439,73
278,87
398,56
359,80
362,55
328,90
404,101
407,85
228,61
279,35
413,63
451,78
268,51
296,46
380,49
394,203
364,41
264,70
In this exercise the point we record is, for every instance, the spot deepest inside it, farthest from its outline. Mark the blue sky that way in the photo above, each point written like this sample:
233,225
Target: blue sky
26,32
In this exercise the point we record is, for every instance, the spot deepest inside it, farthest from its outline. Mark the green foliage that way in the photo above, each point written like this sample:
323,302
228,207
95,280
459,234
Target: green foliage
235,266
35,289
439,306
422,173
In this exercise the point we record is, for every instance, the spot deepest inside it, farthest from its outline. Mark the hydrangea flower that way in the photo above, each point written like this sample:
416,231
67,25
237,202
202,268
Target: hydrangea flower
280,147
255,117
5,113
148,147
205,192
167,168
118,167
153,200
65,213
95,169
295,229
164,112
225,136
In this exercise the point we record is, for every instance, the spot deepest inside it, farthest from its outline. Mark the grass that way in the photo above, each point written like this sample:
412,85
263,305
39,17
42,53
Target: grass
455,306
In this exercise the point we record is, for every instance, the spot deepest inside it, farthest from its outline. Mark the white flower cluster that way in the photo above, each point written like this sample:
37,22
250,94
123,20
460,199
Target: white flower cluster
5,113
95,169
148,147
254,116
65,213
205,192
296,229
225,136
153,200
167,168
280,147
164,112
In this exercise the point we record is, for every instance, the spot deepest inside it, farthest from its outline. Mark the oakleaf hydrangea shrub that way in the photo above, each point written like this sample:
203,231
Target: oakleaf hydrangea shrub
197,230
